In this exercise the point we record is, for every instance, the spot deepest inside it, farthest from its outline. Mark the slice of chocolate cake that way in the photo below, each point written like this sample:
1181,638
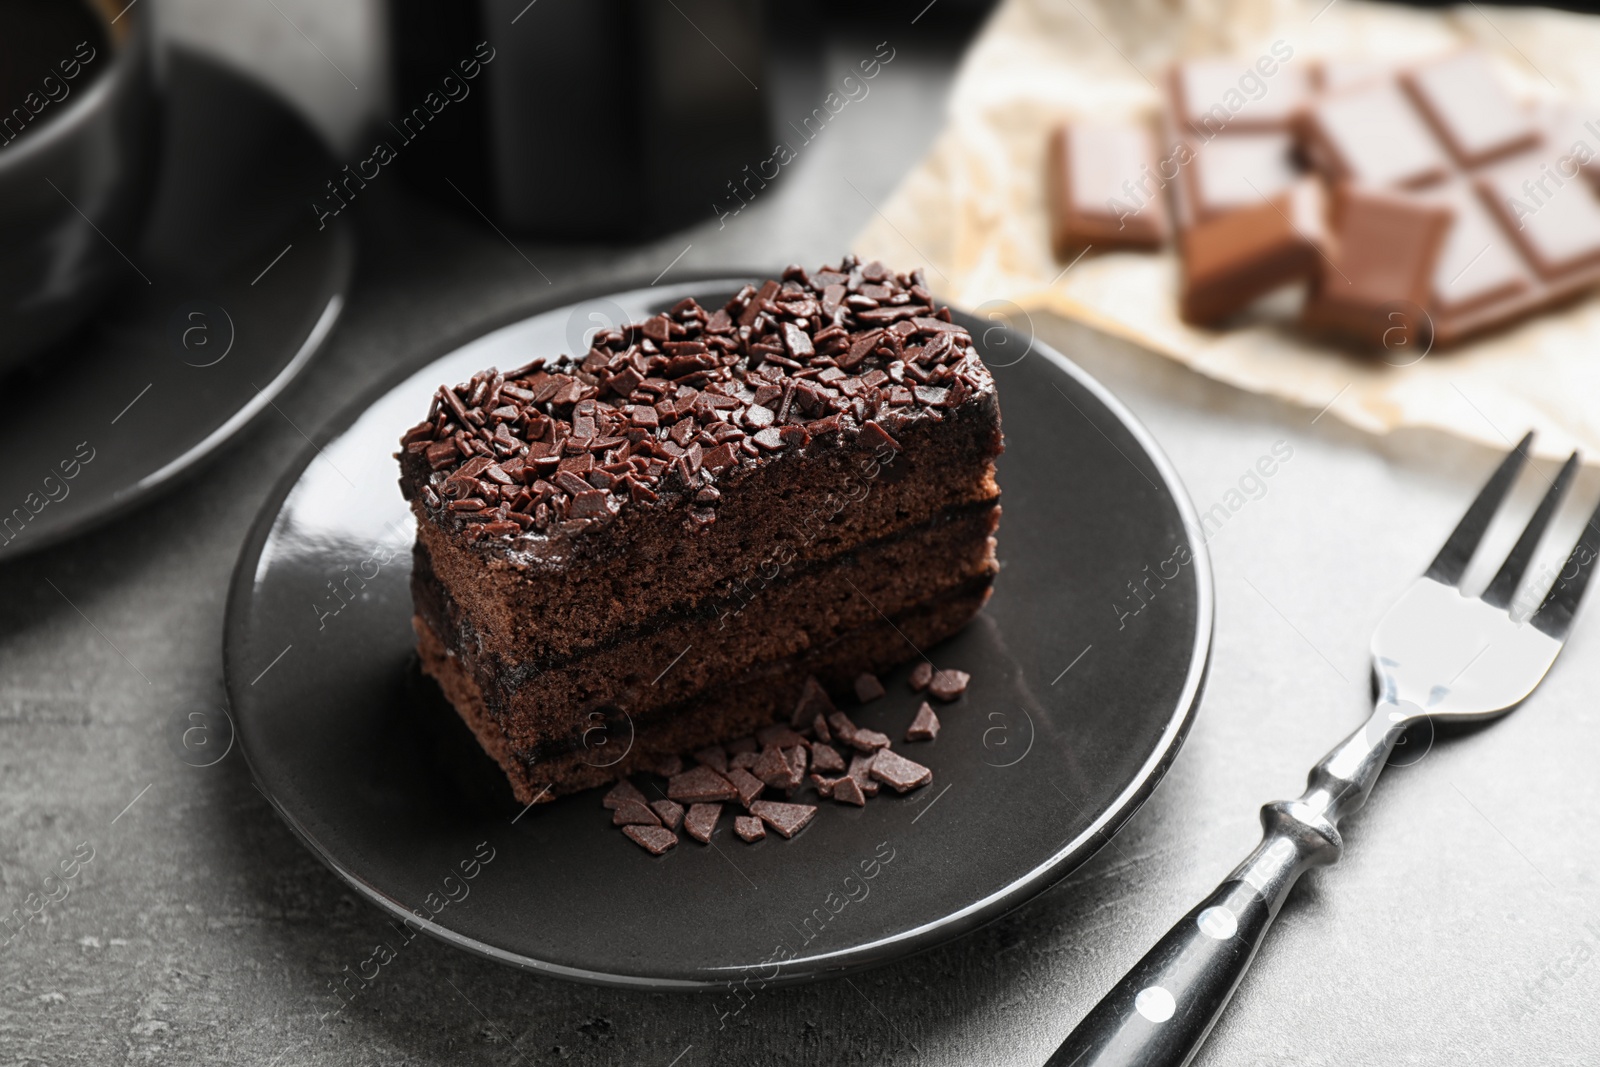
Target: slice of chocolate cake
626,556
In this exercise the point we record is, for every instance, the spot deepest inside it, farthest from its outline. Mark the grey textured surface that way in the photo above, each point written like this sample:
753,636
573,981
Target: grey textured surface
1463,924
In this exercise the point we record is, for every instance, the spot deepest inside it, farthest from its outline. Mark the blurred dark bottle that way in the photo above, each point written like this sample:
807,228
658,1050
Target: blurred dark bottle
590,119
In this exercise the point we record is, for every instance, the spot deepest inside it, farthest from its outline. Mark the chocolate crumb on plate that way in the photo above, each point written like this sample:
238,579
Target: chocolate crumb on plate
869,740
653,839
633,813
826,758
669,811
921,675
787,819
861,771
700,785
624,790
847,791
925,727
948,685
701,821
715,757
749,827
748,785
899,773
868,688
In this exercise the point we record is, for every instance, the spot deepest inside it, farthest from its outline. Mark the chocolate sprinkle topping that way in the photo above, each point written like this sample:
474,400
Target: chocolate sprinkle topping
868,688
658,412
653,839
925,727
701,821
787,819
948,685
899,773
750,828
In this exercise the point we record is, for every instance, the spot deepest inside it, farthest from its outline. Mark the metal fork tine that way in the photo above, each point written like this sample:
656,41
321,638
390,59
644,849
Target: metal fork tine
1452,560
1554,616
1509,576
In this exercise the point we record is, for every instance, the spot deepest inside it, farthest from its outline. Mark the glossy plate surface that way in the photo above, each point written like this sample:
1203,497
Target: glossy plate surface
1079,701
228,296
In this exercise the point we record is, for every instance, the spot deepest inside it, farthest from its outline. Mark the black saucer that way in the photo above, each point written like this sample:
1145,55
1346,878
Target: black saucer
212,324
1053,747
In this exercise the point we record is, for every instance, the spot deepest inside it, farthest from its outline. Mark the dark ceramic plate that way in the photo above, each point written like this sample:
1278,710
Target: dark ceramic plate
211,327
1079,701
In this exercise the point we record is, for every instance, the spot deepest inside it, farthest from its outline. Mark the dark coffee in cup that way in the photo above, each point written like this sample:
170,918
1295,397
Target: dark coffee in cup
78,149
49,49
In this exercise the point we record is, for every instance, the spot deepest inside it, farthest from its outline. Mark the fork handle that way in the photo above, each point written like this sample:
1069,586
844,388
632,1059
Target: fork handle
1162,1010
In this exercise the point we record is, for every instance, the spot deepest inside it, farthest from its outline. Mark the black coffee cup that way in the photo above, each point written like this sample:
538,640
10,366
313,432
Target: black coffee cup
78,151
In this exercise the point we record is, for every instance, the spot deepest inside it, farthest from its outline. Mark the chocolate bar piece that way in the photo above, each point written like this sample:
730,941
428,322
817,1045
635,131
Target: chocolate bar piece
1102,188
1239,170
1217,95
1381,269
1555,220
1472,112
1373,136
1477,263
1233,260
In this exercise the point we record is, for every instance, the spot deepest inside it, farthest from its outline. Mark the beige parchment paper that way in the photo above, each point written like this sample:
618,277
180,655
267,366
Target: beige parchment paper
973,210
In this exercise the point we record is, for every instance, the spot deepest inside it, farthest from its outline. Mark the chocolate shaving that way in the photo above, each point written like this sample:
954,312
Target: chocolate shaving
899,773
948,685
847,791
670,813
868,688
826,758
925,727
701,821
700,785
653,839
623,791
787,819
631,812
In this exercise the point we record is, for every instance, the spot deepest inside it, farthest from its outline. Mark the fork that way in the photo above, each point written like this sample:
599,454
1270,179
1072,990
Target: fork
1437,654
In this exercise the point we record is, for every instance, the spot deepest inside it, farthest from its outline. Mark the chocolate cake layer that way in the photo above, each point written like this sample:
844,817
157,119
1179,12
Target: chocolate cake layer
679,654
808,504
733,709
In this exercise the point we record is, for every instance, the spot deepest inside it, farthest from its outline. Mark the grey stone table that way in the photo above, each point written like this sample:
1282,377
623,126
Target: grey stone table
1462,926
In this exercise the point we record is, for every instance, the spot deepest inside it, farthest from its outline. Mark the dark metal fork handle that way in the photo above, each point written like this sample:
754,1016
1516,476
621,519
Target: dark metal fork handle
1162,1010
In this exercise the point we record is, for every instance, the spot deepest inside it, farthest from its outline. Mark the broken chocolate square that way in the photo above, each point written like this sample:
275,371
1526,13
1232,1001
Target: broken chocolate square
826,758
921,675
750,828
624,790
847,791
633,813
748,785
